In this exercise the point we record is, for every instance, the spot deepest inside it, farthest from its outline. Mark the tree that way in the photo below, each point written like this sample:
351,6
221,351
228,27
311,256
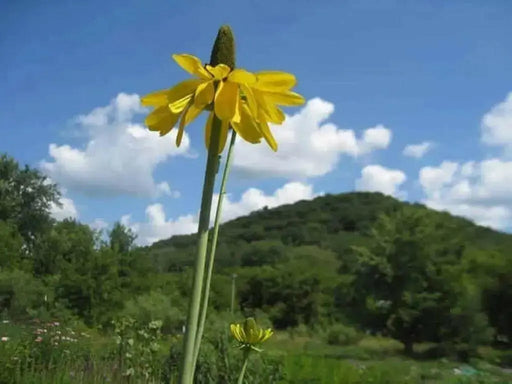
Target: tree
88,278
403,281
121,238
493,271
263,252
289,299
25,199
11,246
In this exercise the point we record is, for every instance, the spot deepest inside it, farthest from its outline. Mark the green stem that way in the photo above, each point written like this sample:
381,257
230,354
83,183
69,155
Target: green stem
216,225
233,288
244,367
187,368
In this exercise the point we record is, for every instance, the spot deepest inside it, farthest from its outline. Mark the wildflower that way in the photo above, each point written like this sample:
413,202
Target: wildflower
190,97
38,339
5,321
249,334
5,338
245,101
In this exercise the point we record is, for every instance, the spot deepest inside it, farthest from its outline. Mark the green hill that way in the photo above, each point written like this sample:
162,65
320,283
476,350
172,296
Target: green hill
330,222
290,259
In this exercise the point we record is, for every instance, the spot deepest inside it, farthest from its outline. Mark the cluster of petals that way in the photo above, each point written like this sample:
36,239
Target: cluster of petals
249,334
244,101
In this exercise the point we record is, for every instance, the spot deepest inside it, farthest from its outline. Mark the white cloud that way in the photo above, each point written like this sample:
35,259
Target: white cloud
480,191
120,155
432,179
308,146
417,150
99,224
67,210
497,217
497,124
158,227
254,199
376,178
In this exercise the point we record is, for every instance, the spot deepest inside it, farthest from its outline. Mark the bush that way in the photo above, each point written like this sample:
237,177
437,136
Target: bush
21,295
154,306
340,334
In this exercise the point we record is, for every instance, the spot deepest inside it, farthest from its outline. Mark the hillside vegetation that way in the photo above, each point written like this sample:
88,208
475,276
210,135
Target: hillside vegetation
325,273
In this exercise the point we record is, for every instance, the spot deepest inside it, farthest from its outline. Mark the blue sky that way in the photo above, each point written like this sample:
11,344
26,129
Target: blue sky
431,72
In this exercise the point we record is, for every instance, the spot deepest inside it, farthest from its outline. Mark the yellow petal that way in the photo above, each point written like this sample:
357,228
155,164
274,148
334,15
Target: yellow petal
255,336
180,90
157,114
274,114
284,98
219,72
226,100
247,128
250,99
275,80
204,94
239,333
267,109
224,128
266,335
234,331
242,76
267,135
179,105
192,65
155,99
161,120
189,114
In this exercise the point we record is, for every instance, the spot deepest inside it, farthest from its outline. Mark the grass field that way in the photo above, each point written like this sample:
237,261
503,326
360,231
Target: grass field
303,359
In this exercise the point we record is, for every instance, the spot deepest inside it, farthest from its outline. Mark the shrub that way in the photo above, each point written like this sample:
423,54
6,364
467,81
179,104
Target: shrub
340,334
154,306
20,294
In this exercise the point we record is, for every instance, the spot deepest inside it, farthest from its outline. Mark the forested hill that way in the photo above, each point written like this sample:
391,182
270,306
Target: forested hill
330,222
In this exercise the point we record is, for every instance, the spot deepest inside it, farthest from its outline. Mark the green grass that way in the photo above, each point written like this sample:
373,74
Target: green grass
306,359
376,360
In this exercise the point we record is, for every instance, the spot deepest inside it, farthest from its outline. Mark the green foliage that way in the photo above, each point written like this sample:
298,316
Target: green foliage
137,348
495,274
287,298
11,246
220,362
408,280
121,238
25,199
88,278
340,334
154,306
390,267
263,252
41,348
21,295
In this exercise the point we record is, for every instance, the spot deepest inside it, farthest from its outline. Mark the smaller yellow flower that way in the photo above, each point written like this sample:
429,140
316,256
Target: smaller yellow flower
249,334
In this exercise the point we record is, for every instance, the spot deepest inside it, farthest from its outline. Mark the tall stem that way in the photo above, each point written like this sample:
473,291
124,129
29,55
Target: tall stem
233,289
211,259
187,368
244,367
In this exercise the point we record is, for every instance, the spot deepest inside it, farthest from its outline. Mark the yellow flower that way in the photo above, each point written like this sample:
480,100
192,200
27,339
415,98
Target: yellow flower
249,334
242,100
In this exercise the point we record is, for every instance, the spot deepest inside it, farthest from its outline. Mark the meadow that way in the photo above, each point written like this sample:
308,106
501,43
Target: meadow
358,287
45,353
